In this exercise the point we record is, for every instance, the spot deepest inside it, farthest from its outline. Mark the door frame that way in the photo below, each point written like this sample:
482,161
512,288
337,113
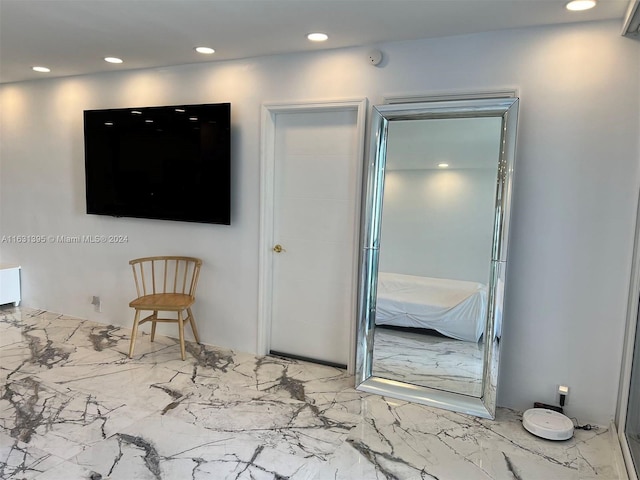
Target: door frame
267,190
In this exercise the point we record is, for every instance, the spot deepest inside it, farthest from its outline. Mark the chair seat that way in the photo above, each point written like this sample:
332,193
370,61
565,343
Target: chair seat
163,301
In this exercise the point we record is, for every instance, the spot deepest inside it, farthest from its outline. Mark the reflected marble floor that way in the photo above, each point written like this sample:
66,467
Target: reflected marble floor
73,406
428,360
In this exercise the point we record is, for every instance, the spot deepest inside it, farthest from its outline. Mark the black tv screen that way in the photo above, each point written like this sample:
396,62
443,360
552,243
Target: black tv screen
170,162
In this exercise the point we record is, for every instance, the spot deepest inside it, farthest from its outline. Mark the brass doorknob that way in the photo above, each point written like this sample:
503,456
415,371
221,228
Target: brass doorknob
278,248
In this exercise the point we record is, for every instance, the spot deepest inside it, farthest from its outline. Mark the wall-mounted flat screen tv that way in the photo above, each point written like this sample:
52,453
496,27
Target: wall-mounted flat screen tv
170,162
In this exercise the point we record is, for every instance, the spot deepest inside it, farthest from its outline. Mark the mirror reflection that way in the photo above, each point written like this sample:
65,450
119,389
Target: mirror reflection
435,219
438,209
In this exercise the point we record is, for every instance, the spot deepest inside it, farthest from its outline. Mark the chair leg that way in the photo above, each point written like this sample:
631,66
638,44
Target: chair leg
153,325
193,325
134,332
181,333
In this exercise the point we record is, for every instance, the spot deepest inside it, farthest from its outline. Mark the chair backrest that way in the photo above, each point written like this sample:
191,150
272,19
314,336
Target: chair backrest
168,274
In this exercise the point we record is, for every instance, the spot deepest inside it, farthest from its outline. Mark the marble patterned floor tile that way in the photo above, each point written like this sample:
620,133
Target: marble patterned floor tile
68,471
166,447
59,421
399,440
21,461
74,406
428,360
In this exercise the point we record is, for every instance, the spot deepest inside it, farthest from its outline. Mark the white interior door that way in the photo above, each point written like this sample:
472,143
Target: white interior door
316,190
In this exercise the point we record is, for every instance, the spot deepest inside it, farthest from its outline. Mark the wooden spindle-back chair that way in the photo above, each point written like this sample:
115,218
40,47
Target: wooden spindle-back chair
165,284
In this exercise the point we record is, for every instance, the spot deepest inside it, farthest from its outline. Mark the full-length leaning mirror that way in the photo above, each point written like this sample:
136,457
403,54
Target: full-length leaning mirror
435,234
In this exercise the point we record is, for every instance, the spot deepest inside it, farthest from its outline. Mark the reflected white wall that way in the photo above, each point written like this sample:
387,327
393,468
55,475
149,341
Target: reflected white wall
438,223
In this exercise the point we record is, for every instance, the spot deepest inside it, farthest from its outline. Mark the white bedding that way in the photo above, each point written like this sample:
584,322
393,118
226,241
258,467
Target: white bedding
454,308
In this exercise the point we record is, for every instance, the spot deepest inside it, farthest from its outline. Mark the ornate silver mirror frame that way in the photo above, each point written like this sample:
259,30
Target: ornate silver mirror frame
506,110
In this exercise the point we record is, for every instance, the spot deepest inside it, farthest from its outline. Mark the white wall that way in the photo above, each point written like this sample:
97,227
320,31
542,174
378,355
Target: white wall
438,223
575,190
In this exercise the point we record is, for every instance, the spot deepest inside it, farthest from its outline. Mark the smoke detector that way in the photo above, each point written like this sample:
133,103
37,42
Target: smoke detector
374,57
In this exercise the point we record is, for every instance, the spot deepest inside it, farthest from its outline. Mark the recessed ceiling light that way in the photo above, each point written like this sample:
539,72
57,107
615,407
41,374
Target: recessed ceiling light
113,59
180,110
149,120
205,50
193,119
443,165
318,37
578,5
108,124
41,69
136,112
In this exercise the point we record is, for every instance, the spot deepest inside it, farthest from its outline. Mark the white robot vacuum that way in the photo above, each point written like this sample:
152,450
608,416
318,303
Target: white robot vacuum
547,424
